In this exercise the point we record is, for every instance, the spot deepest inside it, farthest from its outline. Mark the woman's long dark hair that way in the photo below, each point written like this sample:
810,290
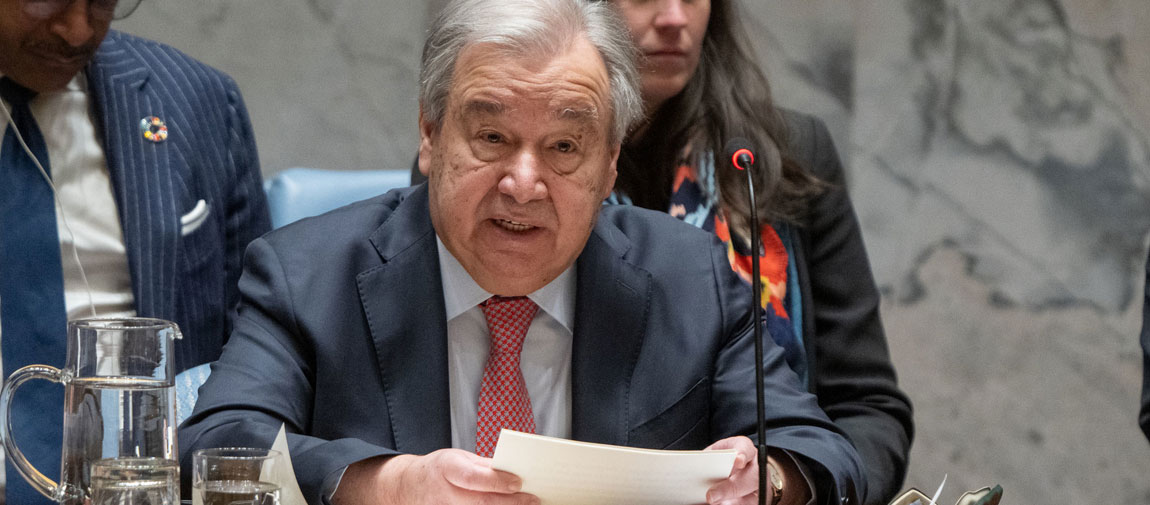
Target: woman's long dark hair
727,96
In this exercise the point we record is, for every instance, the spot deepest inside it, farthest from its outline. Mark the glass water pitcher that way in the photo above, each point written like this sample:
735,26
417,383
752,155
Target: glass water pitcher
119,407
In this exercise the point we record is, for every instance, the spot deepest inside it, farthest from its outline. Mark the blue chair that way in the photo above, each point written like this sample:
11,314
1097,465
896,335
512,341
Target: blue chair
188,385
297,193
294,194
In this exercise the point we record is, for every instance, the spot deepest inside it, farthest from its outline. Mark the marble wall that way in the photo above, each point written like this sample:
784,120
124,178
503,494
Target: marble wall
328,83
999,158
998,153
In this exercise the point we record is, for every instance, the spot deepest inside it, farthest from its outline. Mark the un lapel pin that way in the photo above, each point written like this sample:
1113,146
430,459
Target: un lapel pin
154,129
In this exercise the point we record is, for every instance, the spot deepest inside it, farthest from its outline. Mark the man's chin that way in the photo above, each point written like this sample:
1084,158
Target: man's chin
517,280
46,82
44,72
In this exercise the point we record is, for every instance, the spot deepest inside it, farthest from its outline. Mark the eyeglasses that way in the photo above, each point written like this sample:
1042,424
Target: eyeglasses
104,10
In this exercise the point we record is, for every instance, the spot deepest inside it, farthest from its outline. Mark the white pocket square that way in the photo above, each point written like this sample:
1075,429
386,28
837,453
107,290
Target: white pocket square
191,221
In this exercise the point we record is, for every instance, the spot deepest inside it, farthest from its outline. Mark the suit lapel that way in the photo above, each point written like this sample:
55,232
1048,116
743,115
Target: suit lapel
141,173
403,301
610,320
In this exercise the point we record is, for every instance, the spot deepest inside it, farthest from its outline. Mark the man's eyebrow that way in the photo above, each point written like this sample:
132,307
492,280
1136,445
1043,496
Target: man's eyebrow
488,107
578,114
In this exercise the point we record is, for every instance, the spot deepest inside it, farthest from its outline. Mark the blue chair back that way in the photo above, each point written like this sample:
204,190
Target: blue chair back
297,193
188,385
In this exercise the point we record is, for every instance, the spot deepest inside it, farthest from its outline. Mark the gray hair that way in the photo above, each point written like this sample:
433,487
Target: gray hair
531,28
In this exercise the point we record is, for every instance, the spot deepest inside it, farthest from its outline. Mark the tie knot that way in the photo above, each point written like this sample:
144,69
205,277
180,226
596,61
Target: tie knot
508,319
14,93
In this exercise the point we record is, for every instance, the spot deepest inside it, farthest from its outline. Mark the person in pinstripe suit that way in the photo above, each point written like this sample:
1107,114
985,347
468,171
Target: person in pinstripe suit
155,168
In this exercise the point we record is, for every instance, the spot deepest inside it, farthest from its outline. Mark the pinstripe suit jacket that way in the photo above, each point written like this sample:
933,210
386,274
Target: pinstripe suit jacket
185,273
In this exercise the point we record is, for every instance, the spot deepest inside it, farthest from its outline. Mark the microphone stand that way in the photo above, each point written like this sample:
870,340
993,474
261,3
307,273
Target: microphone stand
743,159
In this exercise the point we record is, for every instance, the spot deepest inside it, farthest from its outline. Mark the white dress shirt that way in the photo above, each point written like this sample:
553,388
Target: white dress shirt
545,361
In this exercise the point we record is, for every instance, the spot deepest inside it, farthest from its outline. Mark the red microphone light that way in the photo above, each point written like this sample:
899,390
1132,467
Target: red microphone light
739,154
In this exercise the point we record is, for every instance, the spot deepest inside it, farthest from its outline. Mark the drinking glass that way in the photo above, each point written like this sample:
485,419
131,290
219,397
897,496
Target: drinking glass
135,481
234,476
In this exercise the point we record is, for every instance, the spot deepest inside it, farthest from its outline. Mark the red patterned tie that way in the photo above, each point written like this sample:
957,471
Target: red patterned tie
503,400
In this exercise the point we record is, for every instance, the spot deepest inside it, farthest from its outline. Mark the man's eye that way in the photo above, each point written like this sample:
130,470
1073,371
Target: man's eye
492,137
564,146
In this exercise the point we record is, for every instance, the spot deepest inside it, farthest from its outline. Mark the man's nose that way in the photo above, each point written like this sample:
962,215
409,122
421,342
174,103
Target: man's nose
670,15
522,180
73,24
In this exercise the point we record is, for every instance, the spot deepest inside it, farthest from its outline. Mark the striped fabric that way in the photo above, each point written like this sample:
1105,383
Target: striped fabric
182,273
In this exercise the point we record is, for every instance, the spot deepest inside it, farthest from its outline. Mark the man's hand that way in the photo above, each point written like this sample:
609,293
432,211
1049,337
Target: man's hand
742,486
444,476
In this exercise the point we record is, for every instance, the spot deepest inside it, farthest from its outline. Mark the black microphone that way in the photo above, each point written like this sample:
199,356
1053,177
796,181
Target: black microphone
739,152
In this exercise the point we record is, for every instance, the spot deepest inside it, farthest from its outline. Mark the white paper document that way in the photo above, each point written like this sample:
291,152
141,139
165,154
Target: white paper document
565,472
284,474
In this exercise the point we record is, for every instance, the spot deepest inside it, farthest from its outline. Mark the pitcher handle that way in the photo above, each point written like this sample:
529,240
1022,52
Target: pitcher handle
42,484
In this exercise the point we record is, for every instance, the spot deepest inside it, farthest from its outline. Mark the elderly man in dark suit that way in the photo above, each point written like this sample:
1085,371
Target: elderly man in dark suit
395,337
155,190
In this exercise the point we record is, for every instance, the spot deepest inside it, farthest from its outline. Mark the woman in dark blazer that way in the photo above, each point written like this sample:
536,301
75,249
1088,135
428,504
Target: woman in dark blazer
700,88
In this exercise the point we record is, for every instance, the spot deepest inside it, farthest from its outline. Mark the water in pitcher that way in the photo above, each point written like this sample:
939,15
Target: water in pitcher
114,417
135,481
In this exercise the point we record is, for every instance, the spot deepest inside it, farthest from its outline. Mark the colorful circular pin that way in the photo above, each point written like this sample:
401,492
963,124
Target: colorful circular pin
154,129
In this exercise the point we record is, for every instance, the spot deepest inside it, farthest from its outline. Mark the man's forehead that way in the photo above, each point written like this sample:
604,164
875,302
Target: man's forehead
571,85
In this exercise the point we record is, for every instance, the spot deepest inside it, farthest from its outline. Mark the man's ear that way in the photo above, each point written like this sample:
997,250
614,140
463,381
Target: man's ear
427,132
613,172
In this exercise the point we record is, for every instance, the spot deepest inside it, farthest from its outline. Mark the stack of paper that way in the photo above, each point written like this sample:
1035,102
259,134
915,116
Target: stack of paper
565,472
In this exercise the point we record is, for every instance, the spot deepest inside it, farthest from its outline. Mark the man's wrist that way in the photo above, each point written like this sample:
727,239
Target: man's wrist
358,483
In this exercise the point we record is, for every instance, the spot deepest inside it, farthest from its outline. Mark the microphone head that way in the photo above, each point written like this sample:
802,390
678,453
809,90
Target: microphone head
739,151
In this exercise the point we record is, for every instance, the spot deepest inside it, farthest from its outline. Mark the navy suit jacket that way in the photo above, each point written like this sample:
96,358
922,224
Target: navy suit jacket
210,155
342,330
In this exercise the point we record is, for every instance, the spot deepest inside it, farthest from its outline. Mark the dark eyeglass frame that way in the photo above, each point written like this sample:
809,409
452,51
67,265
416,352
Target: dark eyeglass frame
104,10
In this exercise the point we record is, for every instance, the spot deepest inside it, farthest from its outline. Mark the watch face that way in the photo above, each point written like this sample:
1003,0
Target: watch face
776,478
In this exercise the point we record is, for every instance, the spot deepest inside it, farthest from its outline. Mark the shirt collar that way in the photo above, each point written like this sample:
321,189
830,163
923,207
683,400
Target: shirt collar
461,292
78,83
